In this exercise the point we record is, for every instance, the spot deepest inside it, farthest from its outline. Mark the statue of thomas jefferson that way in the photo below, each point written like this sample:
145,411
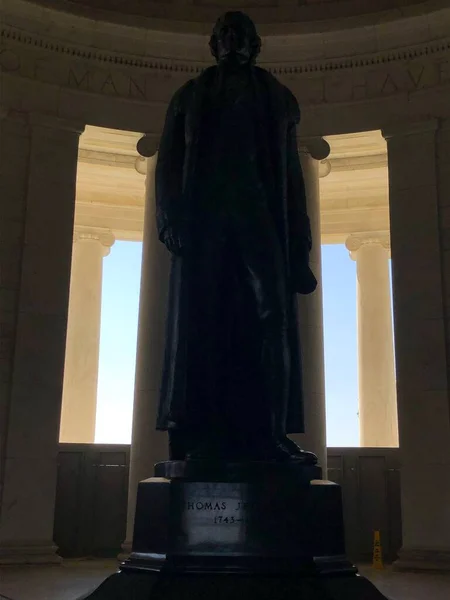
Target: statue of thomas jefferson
231,209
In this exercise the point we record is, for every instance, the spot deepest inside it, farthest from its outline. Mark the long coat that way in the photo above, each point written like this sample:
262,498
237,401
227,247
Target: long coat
175,176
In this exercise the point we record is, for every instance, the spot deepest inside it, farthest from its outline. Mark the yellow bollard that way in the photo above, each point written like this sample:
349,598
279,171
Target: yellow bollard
377,562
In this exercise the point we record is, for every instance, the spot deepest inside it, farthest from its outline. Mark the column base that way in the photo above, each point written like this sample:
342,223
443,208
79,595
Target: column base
29,553
126,550
422,560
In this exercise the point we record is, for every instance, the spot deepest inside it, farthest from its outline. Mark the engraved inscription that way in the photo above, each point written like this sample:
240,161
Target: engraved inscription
206,505
311,88
108,83
79,81
368,84
224,512
220,520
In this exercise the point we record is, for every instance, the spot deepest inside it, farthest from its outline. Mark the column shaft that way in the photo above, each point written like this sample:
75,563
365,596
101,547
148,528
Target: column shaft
148,446
421,352
310,311
376,376
14,157
34,382
83,336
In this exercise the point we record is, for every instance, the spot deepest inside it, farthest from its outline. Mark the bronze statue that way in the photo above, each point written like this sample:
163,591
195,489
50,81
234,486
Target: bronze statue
231,209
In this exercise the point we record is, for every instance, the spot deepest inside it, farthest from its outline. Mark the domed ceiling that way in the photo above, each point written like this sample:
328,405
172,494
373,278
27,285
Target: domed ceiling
305,35
310,13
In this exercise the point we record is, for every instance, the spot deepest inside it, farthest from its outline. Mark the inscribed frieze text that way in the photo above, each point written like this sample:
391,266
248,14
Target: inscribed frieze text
311,88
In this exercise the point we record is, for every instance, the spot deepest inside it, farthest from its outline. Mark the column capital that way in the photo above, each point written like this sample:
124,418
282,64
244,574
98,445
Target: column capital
103,236
373,238
324,168
148,145
140,164
146,166
405,128
316,146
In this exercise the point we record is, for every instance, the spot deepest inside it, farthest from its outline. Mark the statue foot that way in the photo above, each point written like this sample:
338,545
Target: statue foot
297,453
282,450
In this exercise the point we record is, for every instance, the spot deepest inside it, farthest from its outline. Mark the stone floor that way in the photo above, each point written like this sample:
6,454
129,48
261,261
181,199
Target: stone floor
75,578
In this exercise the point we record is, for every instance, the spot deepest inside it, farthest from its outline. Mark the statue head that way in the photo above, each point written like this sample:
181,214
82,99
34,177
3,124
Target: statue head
234,38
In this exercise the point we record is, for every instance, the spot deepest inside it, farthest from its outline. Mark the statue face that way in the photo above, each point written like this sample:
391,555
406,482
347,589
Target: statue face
233,42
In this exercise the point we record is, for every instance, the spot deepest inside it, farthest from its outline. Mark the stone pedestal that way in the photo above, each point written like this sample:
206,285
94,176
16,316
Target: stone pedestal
248,530
242,518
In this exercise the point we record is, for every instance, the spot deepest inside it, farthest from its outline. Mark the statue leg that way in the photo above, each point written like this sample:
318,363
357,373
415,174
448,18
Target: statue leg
266,276
179,443
264,270
206,434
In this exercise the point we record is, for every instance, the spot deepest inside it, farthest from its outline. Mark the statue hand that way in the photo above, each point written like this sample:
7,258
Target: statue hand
175,240
304,281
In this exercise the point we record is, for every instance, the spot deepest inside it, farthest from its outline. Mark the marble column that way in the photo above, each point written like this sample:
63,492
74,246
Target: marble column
79,404
418,194
310,309
148,446
36,210
376,371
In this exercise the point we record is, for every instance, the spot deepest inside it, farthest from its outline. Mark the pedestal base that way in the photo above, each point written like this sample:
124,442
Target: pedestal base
214,531
160,586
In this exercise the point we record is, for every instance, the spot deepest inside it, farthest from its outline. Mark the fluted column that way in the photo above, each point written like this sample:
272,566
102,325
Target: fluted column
418,158
79,403
147,445
312,151
36,215
376,372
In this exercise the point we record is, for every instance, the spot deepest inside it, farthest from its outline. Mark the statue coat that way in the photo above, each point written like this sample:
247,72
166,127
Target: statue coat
175,176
